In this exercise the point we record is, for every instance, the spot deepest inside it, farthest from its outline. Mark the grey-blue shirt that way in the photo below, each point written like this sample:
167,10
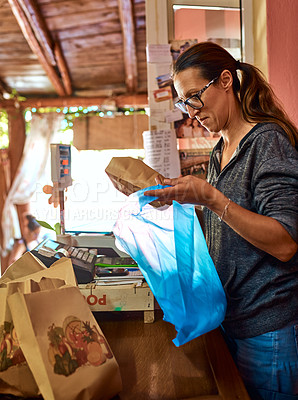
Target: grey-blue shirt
262,176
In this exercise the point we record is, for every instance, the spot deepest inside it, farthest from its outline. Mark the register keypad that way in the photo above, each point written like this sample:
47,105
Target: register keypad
81,254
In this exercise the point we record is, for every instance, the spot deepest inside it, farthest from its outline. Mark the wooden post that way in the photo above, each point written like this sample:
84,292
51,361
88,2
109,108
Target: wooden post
4,187
17,136
129,44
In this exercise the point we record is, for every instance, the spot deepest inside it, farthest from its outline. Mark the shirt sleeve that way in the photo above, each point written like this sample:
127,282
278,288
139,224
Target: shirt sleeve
276,189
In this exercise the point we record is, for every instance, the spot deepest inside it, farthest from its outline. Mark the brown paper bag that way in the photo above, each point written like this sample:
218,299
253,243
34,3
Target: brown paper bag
25,265
60,269
15,375
129,175
65,349
26,275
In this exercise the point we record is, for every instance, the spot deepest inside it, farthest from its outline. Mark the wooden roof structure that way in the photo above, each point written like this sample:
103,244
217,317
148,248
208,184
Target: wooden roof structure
71,52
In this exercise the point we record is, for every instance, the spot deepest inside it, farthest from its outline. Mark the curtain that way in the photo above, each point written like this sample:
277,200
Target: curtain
31,168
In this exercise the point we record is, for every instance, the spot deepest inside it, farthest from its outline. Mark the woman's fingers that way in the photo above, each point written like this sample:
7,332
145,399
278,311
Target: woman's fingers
54,191
47,189
158,180
186,189
165,194
171,182
53,201
166,181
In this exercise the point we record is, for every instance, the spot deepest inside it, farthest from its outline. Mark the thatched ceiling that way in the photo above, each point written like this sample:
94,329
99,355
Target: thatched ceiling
73,48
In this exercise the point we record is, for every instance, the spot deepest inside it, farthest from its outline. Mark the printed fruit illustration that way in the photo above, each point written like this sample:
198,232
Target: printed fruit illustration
15,341
60,352
95,354
18,357
64,346
10,352
74,334
104,344
76,344
52,351
81,357
7,342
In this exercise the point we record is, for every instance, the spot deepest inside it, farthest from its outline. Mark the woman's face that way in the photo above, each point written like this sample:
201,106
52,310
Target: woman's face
214,115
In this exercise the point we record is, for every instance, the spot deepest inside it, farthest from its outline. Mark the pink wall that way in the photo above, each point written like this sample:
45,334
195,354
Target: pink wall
282,42
205,24
190,24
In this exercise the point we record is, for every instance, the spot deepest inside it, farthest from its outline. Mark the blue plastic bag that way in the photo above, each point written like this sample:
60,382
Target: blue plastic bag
171,251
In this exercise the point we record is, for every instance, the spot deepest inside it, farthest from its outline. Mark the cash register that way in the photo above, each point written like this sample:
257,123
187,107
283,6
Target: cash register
49,251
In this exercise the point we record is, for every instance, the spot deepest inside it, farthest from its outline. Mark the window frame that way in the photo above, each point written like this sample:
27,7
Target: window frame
246,21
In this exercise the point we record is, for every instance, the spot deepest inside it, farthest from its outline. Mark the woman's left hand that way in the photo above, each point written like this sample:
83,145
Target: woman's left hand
187,189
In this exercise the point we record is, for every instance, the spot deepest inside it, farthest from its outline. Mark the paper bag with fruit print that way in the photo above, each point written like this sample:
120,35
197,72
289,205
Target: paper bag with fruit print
65,349
26,275
15,375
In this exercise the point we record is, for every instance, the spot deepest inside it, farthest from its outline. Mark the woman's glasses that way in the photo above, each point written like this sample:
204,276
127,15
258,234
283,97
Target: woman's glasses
195,100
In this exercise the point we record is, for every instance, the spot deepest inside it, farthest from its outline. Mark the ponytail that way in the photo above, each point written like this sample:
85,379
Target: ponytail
260,104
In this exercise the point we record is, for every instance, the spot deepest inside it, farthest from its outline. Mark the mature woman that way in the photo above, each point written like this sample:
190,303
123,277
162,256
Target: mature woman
250,212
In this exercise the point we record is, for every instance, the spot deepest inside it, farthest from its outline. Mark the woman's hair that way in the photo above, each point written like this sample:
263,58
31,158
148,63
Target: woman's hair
32,223
258,101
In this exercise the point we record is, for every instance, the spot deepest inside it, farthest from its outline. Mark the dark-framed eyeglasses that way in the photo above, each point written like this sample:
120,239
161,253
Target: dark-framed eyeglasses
195,100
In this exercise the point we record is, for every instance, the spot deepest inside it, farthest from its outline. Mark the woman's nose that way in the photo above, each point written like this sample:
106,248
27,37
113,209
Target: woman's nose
191,111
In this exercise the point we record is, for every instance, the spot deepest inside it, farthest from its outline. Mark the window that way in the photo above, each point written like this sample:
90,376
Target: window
226,22
92,201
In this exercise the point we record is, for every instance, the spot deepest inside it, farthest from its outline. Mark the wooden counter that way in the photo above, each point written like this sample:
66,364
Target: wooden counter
152,367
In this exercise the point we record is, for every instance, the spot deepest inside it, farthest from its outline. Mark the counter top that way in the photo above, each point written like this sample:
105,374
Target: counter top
152,367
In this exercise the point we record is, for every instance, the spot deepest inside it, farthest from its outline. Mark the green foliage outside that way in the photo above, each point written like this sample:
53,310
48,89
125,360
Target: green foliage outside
70,113
3,130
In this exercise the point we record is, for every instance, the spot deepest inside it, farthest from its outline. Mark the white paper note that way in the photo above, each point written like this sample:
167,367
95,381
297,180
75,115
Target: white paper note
161,152
173,115
157,115
158,53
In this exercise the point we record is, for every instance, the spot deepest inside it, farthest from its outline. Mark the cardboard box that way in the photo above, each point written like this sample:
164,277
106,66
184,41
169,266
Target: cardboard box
118,298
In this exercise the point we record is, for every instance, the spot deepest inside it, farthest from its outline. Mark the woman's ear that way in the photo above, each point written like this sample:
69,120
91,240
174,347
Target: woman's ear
226,79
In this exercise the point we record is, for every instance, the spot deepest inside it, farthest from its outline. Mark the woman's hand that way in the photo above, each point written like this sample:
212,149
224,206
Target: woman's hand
263,232
186,189
54,192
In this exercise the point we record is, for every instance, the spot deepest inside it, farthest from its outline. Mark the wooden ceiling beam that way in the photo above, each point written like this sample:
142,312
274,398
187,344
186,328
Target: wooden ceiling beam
42,44
63,68
51,47
4,89
129,45
137,100
39,28
35,46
